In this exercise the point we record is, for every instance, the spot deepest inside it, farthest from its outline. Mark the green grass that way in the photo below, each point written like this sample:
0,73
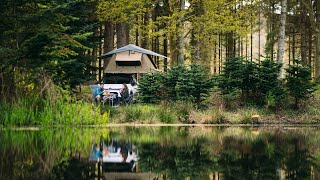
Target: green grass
30,111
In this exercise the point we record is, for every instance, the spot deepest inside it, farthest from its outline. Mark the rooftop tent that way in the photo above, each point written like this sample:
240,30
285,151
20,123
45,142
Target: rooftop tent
130,59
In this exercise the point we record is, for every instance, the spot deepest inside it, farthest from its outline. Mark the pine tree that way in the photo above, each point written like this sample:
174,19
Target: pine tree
298,82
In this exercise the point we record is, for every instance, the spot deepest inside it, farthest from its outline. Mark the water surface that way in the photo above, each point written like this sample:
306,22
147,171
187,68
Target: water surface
161,153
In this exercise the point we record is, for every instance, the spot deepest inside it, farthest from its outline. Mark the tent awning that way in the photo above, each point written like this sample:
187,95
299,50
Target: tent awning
132,48
128,57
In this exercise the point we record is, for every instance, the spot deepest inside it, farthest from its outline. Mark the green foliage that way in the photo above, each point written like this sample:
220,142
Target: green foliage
166,114
49,36
178,84
194,85
132,114
230,80
270,88
151,88
298,82
55,109
250,83
183,110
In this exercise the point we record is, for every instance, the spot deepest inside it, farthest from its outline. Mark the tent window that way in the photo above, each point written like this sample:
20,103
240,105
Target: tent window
128,63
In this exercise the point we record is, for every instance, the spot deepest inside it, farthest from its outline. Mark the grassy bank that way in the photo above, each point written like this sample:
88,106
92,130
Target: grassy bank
57,108
185,113
215,113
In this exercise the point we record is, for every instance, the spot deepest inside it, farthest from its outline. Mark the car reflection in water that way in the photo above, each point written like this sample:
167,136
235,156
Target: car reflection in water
115,156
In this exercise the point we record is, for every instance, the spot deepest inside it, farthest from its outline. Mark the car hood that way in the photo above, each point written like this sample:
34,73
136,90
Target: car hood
112,86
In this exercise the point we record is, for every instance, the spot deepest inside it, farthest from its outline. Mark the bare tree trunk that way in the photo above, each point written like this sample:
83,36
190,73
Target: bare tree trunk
272,27
259,34
246,54
144,34
100,51
158,50
289,44
251,43
137,32
241,47
282,29
215,57
108,40
165,52
317,59
310,47
303,38
94,56
314,15
230,45
173,49
181,35
122,34
294,45
219,65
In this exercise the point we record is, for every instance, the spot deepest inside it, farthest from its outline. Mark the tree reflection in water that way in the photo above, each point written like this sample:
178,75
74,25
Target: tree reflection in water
168,152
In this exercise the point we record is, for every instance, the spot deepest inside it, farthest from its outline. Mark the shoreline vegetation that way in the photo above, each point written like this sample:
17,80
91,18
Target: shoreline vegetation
180,96
62,111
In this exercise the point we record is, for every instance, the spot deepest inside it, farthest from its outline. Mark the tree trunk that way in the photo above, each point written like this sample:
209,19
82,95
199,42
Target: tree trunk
181,35
272,27
259,34
173,49
303,38
317,59
230,45
94,58
122,34
144,34
289,49
294,45
100,51
251,42
219,53
215,57
310,46
195,51
108,41
282,29
165,52
137,32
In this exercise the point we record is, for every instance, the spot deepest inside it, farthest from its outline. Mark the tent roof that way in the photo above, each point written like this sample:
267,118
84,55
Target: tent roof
134,48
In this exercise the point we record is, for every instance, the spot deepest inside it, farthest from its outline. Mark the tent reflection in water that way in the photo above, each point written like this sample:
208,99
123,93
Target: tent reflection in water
130,59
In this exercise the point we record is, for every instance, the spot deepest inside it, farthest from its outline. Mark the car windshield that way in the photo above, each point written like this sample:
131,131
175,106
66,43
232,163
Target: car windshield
117,79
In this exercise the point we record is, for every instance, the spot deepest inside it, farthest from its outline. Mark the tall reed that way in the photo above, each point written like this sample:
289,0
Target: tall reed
52,106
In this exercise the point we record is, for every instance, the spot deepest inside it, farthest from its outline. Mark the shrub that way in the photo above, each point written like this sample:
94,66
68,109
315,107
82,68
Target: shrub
178,84
250,82
298,82
151,88
270,89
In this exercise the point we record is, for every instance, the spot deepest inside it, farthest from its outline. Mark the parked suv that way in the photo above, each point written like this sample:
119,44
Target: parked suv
114,83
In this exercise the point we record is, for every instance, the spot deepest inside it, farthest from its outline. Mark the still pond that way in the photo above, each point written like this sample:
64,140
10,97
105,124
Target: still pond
161,153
